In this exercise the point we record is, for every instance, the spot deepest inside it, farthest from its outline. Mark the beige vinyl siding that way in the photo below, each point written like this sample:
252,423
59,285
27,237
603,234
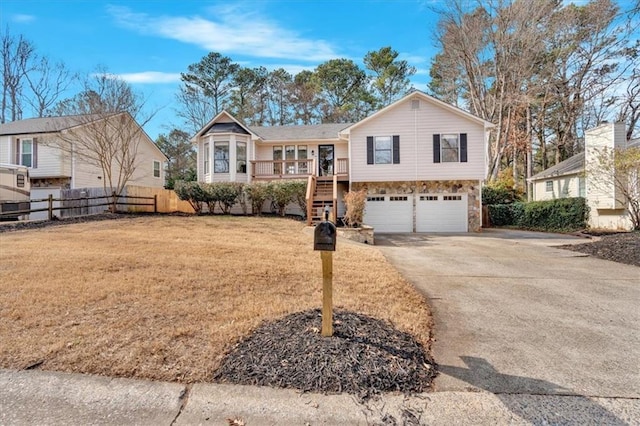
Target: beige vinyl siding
264,151
416,129
5,149
91,176
604,195
52,162
143,174
563,187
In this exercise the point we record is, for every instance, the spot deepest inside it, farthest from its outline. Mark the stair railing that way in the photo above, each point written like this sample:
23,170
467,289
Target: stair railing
311,187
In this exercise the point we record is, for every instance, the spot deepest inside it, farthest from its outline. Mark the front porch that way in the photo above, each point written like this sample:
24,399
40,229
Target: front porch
299,169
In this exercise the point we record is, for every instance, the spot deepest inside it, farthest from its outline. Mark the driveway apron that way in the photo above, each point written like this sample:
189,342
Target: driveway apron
514,315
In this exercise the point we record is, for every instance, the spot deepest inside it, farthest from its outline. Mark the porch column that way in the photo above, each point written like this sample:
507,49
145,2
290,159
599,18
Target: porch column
232,157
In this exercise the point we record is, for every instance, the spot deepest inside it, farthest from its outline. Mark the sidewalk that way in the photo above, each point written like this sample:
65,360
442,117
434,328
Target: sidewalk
49,398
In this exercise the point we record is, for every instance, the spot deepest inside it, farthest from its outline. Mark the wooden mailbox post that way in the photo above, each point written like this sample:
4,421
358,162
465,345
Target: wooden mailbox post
324,240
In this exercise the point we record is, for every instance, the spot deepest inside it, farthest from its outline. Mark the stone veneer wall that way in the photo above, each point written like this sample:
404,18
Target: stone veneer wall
469,187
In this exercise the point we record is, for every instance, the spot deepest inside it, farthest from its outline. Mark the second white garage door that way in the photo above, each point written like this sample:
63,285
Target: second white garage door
389,213
442,213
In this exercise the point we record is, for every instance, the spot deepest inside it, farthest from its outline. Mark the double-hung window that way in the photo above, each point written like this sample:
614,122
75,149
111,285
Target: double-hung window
241,157
303,167
221,157
450,148
26,152
383,149
156,168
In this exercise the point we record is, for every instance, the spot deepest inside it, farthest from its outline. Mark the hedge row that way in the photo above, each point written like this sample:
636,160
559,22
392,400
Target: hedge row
563,214
252,195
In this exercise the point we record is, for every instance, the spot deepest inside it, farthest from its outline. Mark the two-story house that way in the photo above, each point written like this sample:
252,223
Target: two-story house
46,147
421,161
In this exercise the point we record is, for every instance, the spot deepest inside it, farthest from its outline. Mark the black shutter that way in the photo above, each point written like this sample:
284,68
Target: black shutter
463,147
369,149
436,148
34,154
17,151
396,149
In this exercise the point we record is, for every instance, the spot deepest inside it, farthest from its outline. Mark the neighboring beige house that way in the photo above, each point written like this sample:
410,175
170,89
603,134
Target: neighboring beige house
565,179
35,143
568,179
421,161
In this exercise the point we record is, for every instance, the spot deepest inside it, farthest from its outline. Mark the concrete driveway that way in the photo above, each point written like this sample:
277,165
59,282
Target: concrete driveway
514,315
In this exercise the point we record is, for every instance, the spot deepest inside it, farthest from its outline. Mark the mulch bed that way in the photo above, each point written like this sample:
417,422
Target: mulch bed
621,247
365,356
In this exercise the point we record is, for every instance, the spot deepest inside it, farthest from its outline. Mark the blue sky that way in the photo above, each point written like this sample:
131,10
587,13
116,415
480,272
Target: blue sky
149,42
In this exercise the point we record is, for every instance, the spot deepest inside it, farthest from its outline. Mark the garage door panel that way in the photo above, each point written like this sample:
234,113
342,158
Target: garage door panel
389,213
442,213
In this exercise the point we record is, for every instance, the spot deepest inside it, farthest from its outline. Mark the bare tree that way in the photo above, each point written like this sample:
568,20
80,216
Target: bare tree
47,82
17,55
104,129
194,108
630,105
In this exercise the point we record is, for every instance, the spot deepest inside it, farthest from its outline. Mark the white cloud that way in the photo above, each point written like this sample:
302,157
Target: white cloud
290,68
145,77
412,59
150,77
22,18
262,38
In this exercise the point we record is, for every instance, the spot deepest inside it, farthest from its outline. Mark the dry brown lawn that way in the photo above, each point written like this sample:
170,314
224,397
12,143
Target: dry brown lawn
165,297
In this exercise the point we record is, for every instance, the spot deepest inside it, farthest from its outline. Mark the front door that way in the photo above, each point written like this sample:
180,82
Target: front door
325,160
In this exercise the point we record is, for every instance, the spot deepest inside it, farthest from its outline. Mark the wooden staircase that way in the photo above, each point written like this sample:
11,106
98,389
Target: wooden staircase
321,193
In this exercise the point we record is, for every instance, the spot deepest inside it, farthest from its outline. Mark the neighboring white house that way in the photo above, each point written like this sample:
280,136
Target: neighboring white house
35,143
421,161
568,179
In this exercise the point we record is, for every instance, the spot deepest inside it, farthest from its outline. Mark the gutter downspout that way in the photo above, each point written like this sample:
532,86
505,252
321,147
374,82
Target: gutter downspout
73,166
415,151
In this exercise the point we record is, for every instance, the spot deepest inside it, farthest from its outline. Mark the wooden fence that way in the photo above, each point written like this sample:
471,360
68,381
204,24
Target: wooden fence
167,200
88,201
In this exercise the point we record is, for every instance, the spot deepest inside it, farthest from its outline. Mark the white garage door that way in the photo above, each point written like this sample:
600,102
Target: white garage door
442,213
389,213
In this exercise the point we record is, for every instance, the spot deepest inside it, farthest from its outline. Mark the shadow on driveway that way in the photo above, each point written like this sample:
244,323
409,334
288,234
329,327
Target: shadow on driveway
509,389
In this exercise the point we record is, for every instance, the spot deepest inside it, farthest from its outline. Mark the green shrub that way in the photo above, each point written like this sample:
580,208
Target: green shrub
492,194
281,193
208,190
226,194
191,192
298,189
258,193
563,214
501,214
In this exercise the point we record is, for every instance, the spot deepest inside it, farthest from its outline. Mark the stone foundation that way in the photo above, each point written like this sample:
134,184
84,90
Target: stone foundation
469,187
